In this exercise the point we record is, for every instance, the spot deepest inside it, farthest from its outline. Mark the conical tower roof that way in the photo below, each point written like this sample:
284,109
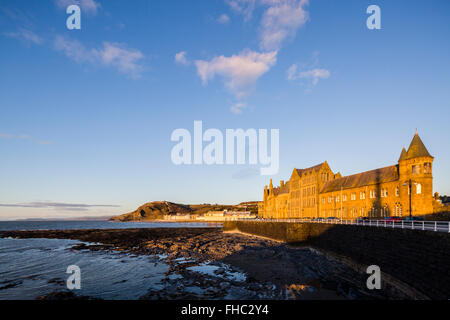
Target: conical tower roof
417,148
402,155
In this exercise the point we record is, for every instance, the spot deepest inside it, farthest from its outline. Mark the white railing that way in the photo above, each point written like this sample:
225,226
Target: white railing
438,226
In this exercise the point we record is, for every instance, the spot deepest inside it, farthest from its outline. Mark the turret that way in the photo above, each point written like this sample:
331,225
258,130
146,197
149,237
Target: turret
415,168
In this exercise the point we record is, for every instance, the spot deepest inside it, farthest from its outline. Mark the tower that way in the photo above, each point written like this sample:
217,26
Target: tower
415,176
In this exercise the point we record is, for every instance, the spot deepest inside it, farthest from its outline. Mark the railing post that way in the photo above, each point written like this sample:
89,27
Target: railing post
393,224
435,226
423,225
402,224
412,224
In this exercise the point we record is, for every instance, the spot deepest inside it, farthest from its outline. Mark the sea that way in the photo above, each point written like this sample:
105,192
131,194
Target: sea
31,268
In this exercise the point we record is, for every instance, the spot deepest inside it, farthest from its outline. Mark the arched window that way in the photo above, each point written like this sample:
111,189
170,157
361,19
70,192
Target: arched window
419,188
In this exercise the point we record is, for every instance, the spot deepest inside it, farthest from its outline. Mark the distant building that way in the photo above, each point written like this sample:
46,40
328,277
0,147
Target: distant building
177,216
319,192
226,215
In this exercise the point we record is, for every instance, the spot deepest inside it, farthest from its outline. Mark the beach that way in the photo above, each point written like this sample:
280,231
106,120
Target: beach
207,263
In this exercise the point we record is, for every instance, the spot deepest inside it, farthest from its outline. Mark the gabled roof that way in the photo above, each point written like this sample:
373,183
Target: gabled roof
417,148
307,170
371,177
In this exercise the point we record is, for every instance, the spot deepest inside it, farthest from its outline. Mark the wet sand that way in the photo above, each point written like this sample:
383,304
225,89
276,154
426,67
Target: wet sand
206,263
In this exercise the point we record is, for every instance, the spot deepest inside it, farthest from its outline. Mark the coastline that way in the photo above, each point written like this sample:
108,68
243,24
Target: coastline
226,265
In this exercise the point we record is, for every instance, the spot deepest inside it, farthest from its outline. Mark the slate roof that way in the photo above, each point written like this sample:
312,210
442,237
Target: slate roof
417,149
307,170
380,175
402,155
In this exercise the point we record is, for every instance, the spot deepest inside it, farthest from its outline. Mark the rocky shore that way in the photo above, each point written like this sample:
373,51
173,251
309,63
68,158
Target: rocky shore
206,263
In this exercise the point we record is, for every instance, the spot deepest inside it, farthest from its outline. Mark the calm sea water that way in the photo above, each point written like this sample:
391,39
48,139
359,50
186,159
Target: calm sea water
30,268
62,225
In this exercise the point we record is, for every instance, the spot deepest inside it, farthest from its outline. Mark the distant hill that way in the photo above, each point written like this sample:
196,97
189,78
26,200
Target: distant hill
157,209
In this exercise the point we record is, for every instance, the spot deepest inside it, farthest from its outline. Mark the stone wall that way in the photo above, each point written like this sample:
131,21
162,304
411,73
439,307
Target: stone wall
418,258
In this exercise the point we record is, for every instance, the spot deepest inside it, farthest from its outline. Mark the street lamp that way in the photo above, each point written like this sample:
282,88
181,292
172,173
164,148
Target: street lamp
410,182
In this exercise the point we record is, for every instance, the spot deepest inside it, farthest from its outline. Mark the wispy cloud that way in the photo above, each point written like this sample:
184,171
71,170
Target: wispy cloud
180,58
309,71
26,36
240,71
281,19
116,55
237,107
9,136
223,19
89,6
244,7
59,205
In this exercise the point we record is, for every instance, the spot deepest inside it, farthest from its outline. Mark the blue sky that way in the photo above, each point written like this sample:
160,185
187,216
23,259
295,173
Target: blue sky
86,115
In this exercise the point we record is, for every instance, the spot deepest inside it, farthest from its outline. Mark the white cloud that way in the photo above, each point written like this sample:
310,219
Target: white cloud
244,7
25,35
126,61
223,19
116,55
239,71
237,107
313,74
281,19
89,6
180,58
292,71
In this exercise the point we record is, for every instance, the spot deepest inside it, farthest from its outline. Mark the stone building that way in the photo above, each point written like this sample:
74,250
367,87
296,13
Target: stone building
395,190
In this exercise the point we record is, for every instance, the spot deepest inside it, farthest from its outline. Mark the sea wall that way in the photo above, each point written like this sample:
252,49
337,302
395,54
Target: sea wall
420,259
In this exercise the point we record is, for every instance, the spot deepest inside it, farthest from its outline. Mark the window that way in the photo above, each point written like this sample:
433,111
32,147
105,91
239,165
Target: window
427,167
418,188
337,198
323,200
362,195
330,199
397,193
353,196
344,197
416,169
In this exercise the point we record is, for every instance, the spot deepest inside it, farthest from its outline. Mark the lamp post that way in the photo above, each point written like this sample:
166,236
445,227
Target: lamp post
410,182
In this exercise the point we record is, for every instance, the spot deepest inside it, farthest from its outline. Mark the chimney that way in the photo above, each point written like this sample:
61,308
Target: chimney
281,183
